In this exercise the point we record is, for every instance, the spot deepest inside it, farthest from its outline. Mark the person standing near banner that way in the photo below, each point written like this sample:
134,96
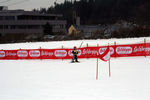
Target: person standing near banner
75,53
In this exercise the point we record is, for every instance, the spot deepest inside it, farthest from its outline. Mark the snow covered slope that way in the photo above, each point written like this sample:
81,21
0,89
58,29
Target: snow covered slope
61,80
70,44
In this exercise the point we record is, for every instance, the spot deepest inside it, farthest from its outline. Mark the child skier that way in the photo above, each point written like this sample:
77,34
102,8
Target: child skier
75,52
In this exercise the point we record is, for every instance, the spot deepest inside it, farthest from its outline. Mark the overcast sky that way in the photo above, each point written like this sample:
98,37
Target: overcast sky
28,4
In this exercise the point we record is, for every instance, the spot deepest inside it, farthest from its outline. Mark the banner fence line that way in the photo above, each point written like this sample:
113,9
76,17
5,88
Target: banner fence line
141,49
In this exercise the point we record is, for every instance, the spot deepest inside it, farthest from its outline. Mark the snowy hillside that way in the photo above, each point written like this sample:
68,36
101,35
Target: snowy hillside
61,80
70,44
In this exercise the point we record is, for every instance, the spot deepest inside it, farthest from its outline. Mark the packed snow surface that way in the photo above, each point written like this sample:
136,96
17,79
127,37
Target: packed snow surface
71,44
62,80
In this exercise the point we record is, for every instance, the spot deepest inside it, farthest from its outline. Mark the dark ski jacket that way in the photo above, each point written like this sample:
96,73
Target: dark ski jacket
74,52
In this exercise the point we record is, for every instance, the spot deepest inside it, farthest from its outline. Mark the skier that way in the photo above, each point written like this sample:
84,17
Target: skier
75,52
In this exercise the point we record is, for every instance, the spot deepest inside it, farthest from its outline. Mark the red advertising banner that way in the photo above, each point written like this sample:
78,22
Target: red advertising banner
130,50
8,54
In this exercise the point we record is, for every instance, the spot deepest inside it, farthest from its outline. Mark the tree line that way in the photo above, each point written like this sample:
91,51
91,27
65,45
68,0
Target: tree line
102,11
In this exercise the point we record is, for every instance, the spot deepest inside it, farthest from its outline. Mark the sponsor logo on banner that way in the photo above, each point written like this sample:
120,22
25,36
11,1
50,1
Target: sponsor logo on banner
2,54
102,50
11,53
46,53
34,53
60,53
141,49
89,52
70,53
124,50
22,53
111,50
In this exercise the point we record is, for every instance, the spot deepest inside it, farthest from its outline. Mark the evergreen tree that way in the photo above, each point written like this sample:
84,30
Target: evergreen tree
103,11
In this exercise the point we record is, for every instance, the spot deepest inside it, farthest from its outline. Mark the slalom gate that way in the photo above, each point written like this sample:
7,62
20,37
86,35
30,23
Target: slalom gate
130,50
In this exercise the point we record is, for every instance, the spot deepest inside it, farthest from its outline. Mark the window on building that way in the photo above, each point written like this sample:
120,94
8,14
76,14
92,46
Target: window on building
34,17
1,26
1,18
22,27
33,27
9,17
61,26
13,27
5,26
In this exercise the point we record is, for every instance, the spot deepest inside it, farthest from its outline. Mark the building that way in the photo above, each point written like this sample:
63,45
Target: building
83,30
30,23
86,30
3,8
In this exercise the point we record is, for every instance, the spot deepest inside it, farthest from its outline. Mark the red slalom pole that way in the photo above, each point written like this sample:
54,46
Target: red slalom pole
109,62
109,69
97,66
97,70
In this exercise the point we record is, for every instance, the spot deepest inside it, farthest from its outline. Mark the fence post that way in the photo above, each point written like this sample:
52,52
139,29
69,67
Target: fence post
40,54
87,50
115,49
145,47
62,49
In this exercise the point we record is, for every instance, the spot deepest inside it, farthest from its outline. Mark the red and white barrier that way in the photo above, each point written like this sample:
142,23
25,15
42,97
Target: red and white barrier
130,50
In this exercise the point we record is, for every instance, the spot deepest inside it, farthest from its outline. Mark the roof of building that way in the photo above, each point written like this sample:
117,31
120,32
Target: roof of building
22,12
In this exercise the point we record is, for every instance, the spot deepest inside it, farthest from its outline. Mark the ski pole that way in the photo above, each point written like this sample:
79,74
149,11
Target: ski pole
80,45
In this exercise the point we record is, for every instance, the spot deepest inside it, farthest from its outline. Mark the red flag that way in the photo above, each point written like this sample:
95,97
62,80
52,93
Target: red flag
106,55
